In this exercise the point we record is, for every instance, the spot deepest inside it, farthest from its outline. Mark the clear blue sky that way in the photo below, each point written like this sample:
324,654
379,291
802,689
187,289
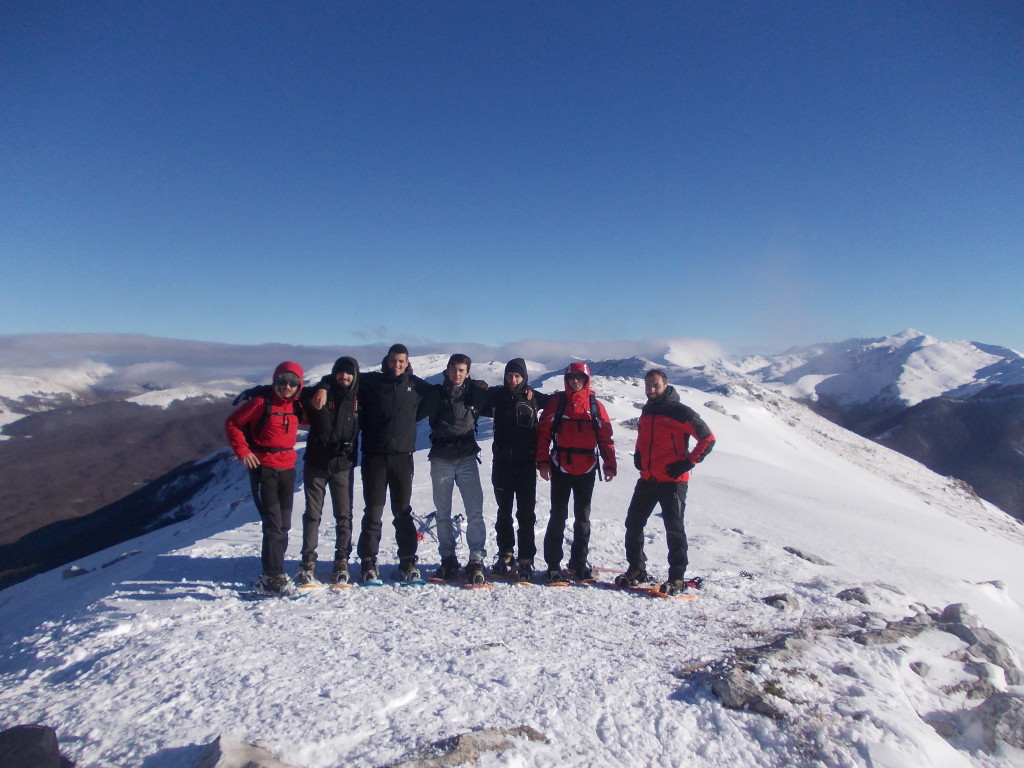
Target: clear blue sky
759,174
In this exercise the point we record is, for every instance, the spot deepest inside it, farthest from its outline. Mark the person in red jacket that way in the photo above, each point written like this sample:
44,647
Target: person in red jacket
262,434
664,458
574,437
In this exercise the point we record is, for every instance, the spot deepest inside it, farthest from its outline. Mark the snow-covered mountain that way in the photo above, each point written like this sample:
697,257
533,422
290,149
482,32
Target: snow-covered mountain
895,372
828,562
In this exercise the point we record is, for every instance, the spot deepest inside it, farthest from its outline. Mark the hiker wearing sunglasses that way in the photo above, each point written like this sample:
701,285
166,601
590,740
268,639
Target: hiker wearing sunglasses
262,434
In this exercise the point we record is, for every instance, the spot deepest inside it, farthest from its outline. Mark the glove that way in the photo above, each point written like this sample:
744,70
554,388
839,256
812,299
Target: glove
679,468
636,460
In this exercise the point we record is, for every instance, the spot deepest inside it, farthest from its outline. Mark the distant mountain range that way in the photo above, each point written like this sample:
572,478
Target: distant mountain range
90,419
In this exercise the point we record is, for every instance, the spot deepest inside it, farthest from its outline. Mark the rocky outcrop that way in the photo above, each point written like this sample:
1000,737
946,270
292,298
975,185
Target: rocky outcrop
991,672
468,747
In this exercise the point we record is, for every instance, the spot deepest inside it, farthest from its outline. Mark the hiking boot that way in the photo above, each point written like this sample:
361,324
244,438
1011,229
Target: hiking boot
504,564
369,570
305,576
524,570
633,577
449,569
673,587
407,570
554,575
276,585
475,572
340,573
581,571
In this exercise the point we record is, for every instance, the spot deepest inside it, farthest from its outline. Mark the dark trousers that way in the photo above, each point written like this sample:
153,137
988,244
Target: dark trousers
316,481
672,498
383,472
272,490
581,487
515,485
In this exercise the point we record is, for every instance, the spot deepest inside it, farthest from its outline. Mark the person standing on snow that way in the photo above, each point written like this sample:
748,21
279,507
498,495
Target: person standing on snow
573,438
331,453
453,408
664,458
514,407
389,403
262,433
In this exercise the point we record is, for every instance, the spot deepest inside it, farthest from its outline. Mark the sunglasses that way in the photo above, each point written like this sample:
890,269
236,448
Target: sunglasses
288,380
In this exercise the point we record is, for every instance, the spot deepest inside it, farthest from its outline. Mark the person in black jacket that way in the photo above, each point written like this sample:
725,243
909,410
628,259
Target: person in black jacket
389,404
514,406
331,452
453,408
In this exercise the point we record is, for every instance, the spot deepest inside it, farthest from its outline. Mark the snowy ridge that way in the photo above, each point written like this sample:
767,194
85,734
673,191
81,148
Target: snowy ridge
139,662
903,369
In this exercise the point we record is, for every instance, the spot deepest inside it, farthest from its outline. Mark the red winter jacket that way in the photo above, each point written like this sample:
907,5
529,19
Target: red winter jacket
274,446
572,447
664,432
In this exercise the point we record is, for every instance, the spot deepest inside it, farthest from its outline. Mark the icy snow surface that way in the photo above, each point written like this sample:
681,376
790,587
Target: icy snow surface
141,662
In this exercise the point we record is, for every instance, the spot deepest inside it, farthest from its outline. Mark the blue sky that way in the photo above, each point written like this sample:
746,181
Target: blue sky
757,174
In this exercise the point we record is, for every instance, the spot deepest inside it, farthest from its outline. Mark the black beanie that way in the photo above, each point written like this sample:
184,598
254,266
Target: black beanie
344,365
516,365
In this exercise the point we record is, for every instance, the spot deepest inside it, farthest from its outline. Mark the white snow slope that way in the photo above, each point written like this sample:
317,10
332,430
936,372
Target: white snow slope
141,662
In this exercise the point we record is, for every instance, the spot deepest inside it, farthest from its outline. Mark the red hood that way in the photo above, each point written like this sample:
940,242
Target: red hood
289,367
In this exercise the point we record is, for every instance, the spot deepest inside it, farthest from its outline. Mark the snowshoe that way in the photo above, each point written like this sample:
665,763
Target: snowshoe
448,570
581,571
504,565
370,574
554,577
673,587
524,571
475,572
407,572
279,585
633,577
306,577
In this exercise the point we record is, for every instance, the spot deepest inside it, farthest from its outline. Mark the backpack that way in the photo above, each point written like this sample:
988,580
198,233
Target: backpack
265,392
446,401
595,418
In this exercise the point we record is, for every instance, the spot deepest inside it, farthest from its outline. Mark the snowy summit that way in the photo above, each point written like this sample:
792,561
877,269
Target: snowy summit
856,610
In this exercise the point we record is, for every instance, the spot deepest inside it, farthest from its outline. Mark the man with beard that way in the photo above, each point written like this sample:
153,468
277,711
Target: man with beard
514,407
331,452
664,458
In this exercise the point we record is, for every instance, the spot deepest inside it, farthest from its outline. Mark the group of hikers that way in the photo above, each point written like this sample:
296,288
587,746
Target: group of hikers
564,437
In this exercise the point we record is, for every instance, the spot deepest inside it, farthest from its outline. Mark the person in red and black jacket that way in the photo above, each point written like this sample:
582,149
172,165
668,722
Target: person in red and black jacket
664,457
573,437
262,433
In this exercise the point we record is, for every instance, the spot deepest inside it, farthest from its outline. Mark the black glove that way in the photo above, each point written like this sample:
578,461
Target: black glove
636,460
679,468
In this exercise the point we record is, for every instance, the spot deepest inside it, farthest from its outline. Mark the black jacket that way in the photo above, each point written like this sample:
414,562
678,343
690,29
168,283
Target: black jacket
334,429
453,412
515,422
389,410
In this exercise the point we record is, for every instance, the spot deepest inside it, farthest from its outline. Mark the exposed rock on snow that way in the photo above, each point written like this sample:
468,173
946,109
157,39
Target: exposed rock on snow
808,556
467,747
772,679
31,746
227,752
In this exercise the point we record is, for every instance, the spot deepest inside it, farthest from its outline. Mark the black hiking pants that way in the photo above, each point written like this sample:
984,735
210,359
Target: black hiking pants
672,498
515,485
581,488
273,490
340,481
383,472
